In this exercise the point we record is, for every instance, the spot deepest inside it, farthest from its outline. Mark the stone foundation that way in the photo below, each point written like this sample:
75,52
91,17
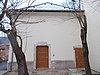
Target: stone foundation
56,64
59,64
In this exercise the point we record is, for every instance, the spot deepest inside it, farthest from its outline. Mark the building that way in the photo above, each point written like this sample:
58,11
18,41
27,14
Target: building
4,48
57,32
4,52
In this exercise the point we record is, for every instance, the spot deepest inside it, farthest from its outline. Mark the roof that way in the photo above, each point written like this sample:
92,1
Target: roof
32,10
48,7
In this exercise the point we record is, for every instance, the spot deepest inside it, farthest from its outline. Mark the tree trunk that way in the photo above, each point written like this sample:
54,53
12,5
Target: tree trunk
85,51
22,66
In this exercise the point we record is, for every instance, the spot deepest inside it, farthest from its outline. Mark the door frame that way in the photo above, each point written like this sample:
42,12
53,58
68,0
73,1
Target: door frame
49,54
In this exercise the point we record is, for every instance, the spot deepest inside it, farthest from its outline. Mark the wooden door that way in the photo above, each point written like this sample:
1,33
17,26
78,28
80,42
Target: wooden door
79,58
42,57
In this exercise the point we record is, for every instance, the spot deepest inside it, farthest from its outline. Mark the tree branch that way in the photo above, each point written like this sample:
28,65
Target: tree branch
11,22
26,22
3,10
20,40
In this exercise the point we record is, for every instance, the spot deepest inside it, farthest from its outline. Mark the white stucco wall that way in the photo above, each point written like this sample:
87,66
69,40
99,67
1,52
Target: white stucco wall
62,33
60,30
93,17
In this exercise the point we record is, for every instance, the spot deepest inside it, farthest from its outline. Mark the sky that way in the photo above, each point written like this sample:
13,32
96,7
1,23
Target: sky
48,6
54,1
42,1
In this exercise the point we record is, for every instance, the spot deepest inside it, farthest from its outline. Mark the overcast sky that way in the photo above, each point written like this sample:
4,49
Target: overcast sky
53,1
41,1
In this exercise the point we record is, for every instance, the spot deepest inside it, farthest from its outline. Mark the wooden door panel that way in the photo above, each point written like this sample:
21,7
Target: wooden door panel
41,65
42,57
79,58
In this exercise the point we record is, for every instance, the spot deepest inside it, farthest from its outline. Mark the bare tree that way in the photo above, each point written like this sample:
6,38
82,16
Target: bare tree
12,33
83,24
75,6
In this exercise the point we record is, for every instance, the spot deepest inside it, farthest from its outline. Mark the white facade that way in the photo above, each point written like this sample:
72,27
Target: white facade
61,31
92,12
